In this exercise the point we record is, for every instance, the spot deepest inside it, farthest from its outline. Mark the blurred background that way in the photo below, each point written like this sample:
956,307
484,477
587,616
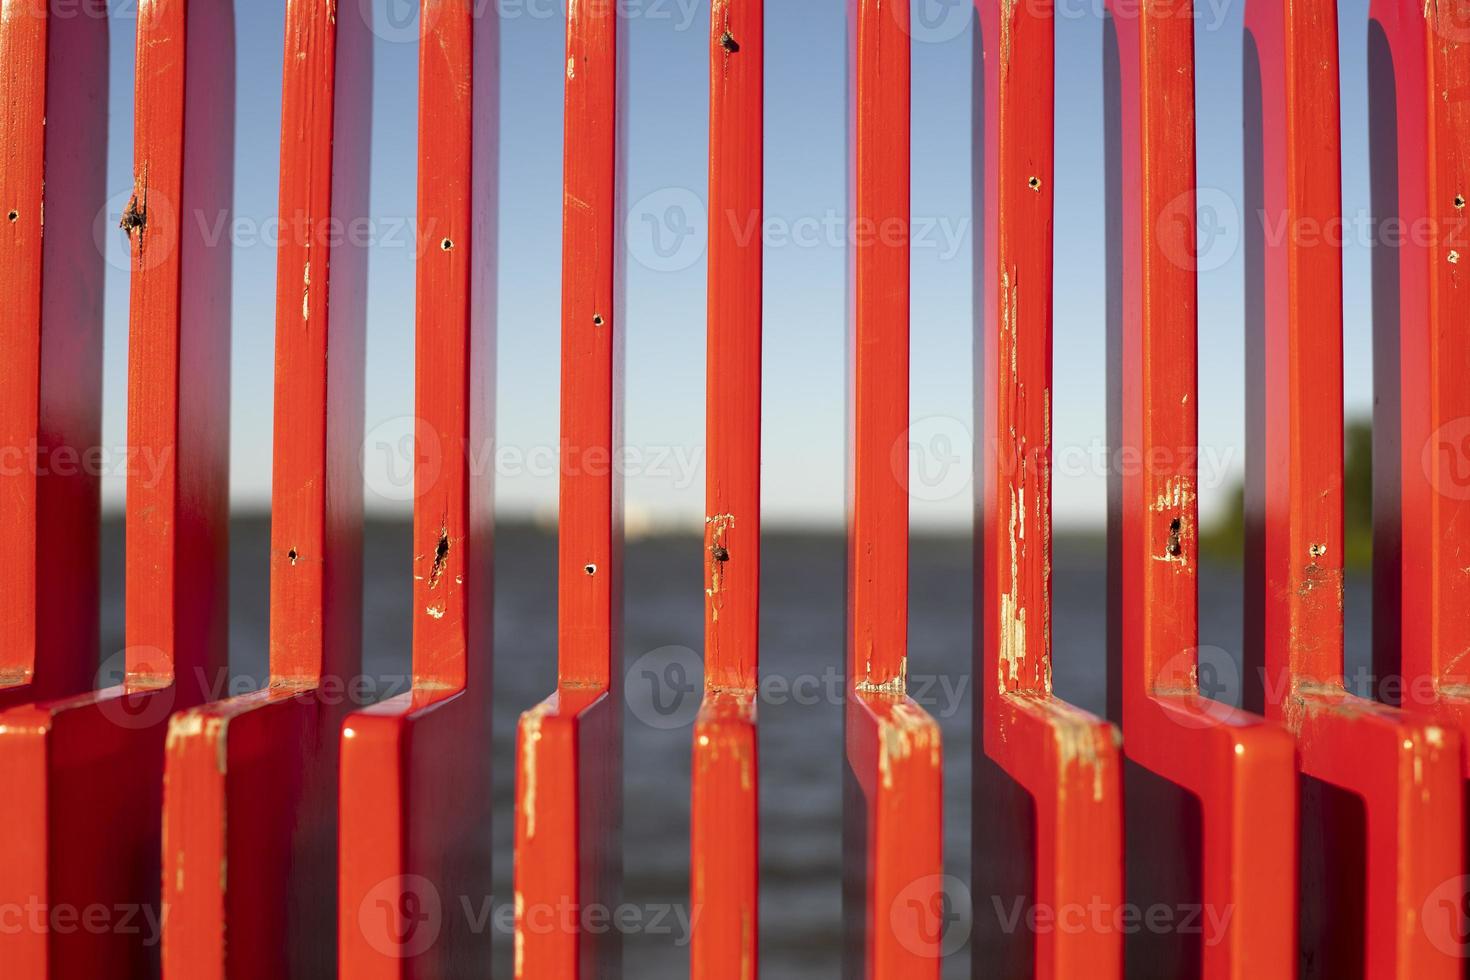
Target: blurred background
805,327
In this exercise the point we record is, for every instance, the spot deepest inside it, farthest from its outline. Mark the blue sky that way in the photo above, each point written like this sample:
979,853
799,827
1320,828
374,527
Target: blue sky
805,260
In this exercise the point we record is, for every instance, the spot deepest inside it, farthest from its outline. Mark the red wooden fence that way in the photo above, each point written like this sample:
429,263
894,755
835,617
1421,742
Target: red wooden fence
569,747
724,797
280,834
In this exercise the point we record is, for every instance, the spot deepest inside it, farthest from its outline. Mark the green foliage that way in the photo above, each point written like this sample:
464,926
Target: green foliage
1226,537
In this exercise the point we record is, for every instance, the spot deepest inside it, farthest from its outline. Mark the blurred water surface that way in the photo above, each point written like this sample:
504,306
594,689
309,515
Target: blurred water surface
801,754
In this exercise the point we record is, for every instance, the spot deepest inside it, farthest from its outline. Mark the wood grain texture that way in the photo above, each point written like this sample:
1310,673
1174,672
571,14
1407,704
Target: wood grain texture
569,747
1241,769
724,819
893,811
415,797
1066,760
1406,770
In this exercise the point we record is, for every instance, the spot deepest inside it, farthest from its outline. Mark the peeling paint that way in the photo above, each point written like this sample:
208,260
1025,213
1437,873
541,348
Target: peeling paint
531,723
905,731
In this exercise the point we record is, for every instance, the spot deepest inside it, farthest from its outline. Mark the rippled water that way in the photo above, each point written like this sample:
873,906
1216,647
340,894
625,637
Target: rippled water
801,653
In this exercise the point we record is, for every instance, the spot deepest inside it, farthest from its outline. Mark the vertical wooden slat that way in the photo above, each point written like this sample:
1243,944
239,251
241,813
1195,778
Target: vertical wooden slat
53,143
1241,769
1428,78
179,350
894,807
569,748
251,782
1406,771
1066,759
414,837
1419,70
724,820
85,774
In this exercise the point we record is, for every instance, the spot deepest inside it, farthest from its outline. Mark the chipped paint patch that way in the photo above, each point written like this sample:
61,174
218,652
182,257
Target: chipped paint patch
718,554
306,290
1075,736
520,940
906,730
531,723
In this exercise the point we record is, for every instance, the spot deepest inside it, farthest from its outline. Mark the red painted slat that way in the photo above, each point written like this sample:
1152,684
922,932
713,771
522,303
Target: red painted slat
414,837
53,149
893,813
569,748
251,782
1064,758
725,814
1430,75
1406,770
1240,768
84,775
